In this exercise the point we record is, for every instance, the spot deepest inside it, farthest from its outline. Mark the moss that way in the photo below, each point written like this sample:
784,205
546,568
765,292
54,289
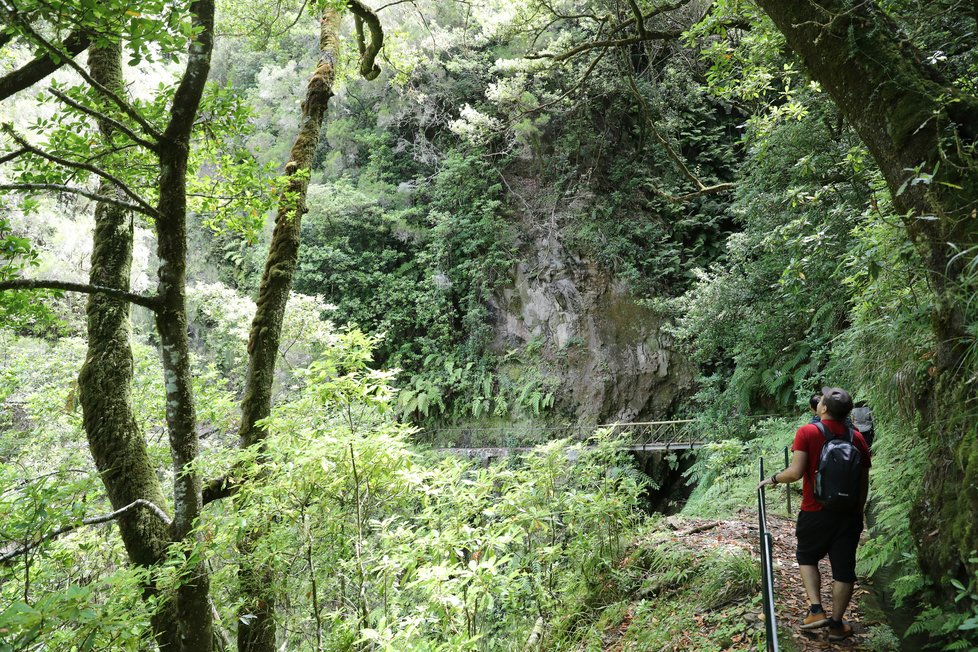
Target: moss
907,117
625,321
960,544
943,521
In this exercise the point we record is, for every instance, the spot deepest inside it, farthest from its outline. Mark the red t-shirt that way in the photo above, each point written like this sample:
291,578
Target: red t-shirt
810,439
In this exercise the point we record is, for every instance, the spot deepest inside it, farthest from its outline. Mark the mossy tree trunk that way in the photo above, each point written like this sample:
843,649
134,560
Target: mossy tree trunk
915,125
104,384
193,606
184,622
256,626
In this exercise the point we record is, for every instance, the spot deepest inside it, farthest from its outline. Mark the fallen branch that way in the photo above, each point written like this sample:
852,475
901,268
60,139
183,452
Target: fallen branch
699,528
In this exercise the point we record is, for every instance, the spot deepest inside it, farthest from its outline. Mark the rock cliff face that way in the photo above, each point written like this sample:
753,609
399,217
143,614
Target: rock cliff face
611,354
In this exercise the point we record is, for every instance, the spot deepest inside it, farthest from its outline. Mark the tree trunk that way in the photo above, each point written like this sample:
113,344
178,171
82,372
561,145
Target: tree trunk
193,610
915,124
104,384
256,627
193,606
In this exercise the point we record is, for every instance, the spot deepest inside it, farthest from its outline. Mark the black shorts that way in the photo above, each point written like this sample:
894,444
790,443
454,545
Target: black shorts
830,533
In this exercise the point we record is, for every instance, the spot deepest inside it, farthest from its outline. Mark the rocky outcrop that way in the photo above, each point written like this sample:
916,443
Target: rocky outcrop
611,354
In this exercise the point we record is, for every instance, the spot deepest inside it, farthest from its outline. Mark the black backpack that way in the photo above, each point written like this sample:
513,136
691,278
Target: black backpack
862,419
839,472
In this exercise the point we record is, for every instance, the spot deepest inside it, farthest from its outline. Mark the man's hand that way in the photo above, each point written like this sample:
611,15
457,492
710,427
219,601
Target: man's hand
791,474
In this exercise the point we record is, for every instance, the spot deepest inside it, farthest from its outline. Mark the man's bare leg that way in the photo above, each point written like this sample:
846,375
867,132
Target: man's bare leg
812,581
841,594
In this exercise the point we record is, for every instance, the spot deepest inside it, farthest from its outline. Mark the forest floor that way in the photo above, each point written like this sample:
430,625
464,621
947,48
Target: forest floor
791,602
712,629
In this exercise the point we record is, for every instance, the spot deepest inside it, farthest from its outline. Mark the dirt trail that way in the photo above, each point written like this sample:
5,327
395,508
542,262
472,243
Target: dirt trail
791,604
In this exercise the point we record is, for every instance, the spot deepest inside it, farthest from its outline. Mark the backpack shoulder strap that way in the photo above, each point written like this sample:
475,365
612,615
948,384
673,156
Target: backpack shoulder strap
850,435
825,431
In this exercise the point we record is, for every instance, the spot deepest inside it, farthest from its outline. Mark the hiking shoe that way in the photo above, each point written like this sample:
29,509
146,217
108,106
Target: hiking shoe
839,630
816,620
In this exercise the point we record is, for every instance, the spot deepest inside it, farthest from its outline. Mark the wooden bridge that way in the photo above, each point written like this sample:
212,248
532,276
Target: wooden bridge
646,436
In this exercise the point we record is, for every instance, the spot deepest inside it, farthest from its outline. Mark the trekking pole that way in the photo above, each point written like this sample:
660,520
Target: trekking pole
787,486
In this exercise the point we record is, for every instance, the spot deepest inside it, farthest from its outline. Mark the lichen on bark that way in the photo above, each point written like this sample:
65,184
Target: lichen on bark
256,627
115,441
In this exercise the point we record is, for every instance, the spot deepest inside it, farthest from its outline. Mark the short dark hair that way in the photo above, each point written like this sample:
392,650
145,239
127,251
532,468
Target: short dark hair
837,401
813,401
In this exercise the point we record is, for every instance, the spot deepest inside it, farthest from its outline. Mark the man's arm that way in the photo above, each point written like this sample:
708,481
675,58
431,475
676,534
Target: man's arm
794,472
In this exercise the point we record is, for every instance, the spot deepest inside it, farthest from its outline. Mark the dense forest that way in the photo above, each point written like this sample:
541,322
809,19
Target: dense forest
262,263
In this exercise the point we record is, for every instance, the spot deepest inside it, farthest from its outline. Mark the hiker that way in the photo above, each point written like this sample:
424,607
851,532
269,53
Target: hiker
813,405
832,528
862,420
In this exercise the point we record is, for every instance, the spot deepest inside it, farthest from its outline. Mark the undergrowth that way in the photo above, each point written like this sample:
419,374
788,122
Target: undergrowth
668,595
726,472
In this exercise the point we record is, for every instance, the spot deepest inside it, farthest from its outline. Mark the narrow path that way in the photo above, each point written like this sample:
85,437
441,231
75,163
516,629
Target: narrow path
792,603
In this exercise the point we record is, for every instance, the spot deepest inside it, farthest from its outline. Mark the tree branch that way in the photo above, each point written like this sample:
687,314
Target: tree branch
9,156
368,51
701,188
562,16
118,101
78,165
661,9
580,82
98,115
78,191
33,72
609,43
219,488
295,22
186,99
392,4
22,482
639,18
23,550
644,34
153,303
705,190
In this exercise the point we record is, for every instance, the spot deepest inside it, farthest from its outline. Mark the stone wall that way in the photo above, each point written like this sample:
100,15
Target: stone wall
614,360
